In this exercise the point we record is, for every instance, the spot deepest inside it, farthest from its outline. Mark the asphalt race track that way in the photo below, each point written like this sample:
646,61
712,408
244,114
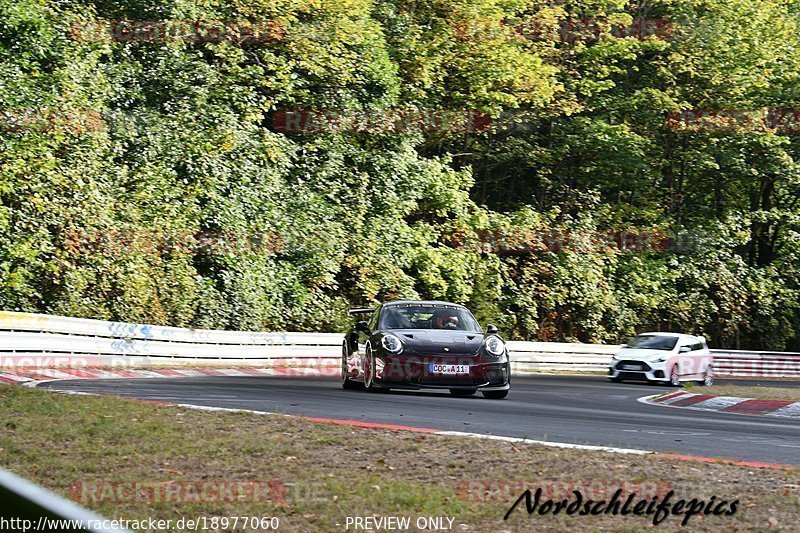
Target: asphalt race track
572,409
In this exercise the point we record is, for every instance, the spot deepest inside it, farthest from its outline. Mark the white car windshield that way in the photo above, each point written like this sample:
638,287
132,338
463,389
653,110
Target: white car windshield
653,342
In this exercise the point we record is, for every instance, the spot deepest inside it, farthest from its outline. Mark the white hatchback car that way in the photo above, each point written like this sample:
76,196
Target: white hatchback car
670,357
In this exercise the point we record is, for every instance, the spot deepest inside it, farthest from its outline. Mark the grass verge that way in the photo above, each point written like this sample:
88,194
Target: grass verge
766,393
111,454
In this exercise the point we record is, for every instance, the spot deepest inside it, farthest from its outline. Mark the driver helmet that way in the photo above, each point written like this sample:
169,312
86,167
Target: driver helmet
445,319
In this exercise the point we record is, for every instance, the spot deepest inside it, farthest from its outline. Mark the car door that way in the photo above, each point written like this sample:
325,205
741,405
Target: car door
686,362
700,358
692,358
706,358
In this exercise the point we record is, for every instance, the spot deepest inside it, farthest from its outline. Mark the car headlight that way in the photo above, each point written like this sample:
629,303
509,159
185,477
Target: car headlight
495,346
659,360
615,357
391,343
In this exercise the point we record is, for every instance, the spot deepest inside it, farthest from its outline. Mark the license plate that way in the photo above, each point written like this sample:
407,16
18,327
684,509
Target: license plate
448,369
629,367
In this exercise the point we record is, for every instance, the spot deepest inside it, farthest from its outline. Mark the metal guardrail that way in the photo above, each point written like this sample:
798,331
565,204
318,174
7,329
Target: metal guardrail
30,322
742,363
558,356
25,506
34,339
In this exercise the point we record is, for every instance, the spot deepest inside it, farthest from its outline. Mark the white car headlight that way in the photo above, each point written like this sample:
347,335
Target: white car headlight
494,346
391,343
660,360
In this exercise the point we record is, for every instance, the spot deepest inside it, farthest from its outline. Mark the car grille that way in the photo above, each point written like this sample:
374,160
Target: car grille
633,366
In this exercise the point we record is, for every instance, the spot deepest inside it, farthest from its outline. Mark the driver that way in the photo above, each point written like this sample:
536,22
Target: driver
445,319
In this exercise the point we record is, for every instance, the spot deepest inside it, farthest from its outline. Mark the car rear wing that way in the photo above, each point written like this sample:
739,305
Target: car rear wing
360,310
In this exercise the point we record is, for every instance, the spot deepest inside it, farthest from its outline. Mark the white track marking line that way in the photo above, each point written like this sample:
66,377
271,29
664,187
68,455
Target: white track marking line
522,440
519,440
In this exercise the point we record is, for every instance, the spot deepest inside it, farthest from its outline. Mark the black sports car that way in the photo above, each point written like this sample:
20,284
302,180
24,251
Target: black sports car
421,344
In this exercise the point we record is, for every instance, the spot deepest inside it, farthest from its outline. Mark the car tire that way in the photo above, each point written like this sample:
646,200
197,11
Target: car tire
369,365
674,378
708,378
495,394
369,378
348,383
463,392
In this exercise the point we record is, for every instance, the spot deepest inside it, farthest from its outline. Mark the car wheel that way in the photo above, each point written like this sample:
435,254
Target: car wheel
369,373
495,394
708,379
347,383
674,378
369,365
463,392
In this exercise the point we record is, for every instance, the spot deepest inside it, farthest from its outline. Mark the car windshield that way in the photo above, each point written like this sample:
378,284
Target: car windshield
653,342
428,317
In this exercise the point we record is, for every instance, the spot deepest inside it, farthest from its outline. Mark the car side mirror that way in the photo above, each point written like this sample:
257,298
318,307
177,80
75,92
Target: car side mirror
362,325
684,349
491,329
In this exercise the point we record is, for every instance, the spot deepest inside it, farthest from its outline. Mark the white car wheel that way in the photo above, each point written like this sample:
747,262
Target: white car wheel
674,378
369,367
709,377
347,383
369,373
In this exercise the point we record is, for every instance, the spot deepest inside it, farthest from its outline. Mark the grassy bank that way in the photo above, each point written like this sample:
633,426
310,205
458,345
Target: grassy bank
766,393
110,453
